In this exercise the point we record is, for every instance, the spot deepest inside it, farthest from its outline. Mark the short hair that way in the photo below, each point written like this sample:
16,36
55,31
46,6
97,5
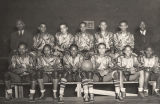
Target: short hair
42,24
46,45
65,24
73,45
127,46
123,21
20,21
83,23
102,21
148,47
101,44
23,43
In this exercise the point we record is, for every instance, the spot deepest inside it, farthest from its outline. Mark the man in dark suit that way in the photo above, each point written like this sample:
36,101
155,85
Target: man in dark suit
142,38
21,35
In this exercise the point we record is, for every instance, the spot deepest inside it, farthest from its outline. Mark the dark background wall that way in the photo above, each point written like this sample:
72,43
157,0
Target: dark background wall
54,12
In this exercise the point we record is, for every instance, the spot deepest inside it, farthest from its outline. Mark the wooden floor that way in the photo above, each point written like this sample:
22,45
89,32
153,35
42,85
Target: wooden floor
98,100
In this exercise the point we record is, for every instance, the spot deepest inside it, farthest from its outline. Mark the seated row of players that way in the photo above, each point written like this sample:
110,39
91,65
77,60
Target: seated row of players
75,66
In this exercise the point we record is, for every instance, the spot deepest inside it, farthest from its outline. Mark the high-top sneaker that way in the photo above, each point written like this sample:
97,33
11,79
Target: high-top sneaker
92,97
42,97
60,100
54,94
145,92
9,94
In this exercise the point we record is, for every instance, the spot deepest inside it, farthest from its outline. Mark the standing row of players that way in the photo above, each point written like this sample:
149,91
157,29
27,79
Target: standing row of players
103,57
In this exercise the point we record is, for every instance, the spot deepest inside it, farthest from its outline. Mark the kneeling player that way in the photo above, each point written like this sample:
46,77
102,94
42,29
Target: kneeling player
72,64
150,62
50,66
103,68
21,70
129,65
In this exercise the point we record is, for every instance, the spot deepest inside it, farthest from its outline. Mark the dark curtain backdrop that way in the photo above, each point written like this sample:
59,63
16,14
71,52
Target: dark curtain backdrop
72,12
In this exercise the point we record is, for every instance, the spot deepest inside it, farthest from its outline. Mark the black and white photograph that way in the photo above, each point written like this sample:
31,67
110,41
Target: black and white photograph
80,52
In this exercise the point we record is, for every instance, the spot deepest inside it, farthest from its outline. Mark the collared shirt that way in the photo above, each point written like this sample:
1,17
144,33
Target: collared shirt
101,62
84,41
21,32
121,40
48,63
24,62
73,62
64,41
40,40
143,32
106,38
150,62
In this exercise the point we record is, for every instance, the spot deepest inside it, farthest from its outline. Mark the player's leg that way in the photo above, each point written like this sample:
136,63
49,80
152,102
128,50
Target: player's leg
55,81
140,76
33,85
40,75
63,82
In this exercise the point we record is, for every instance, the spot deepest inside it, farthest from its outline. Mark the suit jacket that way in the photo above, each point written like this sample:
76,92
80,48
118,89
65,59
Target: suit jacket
15,39
142,41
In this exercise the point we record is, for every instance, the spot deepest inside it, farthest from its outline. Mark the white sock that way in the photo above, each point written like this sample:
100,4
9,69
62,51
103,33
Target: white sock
54,91
42,91
9,91
123,89
156,90
140,89
32,91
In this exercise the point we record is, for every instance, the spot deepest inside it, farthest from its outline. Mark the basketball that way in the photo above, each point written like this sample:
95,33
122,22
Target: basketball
87,65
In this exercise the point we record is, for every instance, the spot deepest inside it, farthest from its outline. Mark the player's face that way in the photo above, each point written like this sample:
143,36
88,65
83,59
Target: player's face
47,51
101,49
103,26
83,27
142,26
20,25
74,51
42,28
63,28
149,52
22,49
128,51
123,26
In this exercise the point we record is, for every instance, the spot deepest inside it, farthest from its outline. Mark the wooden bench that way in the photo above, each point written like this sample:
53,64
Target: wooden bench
19,88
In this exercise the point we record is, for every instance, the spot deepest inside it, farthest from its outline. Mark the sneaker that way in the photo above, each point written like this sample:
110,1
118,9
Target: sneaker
140,94
42,97
60,100
9,97
119,97
92,97
145,93
86,99
54,95
123,94
156,93
31,97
